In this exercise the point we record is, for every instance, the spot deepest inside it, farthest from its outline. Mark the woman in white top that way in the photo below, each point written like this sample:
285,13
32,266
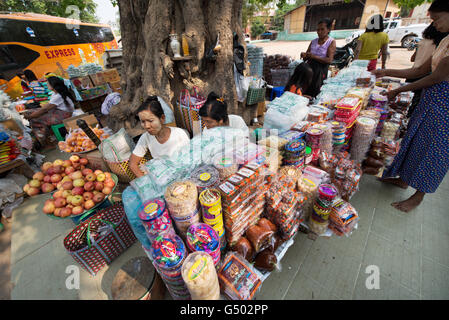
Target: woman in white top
59,108
159,139
214,113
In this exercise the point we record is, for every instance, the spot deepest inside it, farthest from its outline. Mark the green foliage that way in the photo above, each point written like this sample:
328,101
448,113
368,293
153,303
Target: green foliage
249,8
410,4
257,28
53,7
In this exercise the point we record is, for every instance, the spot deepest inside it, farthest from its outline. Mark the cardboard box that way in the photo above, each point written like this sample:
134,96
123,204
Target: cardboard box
82,83
98,79
111,75
70,123
115,86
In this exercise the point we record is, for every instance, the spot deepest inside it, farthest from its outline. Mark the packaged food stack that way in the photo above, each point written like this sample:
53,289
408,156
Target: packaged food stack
256,60
309,188
182,203
346,175
321,113
204,177
343,217
313,139
226,166
383,116
284,206
378,101
347,111
201,237
294,153
390,131
364,132
273,141
380,155
271,158
156,219
373,114
402,102
243,200
210,200
301,126
291,135
238,280
9,150
326,140
200,276
338,133
168,255
291,171
319,219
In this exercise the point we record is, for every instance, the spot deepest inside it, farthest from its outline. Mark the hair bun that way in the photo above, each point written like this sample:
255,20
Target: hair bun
151,98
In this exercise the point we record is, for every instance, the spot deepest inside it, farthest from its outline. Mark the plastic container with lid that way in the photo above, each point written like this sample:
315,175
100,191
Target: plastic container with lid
155,218
202,237
225,166
205,177
313,136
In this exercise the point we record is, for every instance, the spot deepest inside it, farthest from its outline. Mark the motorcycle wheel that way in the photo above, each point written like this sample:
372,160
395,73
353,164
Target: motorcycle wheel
406,41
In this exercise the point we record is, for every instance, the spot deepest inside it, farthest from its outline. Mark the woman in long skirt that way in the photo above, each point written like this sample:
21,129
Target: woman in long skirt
423,159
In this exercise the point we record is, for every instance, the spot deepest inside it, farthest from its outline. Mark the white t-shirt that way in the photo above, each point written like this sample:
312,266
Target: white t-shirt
178,138
57,100
235,122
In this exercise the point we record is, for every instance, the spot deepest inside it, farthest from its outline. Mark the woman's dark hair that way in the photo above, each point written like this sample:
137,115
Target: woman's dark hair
439,6
301,77
327,22
375,24
152,104
58,85
29,75
20,74
432,33
215,108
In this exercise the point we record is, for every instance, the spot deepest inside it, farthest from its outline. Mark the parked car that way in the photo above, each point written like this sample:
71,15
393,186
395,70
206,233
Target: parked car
396,32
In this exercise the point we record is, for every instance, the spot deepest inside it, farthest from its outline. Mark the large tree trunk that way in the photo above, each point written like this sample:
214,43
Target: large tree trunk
148,66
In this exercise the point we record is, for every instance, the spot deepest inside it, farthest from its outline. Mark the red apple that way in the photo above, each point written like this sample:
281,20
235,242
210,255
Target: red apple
77,210
78,191
68,185
89,204
35,183
55,184
60,202
47,187
47,179
57,212
89,186
69,170
50,171
26,188
49,207
58,169
77,200
65,212
86,171
109,183
98,197
101,177
82,168
99,185
76,175
56,178
32,191
88,195
96,192
97,172
57,194
108,175
84,161
46,166
106,190
69,198
77,166
67,163
74,158
90,176
38,176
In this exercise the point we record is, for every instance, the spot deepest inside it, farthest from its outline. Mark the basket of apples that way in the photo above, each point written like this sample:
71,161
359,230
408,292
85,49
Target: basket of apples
80,192
52,173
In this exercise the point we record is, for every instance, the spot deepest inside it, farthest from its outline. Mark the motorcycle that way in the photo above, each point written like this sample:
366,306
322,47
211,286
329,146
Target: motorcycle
413,43
344,55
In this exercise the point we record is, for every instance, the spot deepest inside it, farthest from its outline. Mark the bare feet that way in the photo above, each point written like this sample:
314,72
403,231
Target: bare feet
395,181
411,203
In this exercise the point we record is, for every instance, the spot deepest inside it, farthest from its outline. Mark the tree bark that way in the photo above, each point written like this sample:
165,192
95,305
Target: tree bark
148,67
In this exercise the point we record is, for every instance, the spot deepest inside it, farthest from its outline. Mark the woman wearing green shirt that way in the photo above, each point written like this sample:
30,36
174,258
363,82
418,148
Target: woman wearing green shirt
372,41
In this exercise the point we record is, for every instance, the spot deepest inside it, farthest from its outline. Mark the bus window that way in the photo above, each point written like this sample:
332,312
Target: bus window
15,58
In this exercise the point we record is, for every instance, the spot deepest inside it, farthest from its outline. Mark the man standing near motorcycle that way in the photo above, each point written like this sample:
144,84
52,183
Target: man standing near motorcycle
373,40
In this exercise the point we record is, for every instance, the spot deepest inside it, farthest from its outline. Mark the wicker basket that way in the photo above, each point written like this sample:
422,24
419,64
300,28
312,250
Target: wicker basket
122,169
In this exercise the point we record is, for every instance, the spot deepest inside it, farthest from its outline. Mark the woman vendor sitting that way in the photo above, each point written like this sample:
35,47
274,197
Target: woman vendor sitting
159,139
300,80
214,113
59,108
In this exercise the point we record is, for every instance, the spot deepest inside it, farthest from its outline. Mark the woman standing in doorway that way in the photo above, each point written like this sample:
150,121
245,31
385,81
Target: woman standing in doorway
319,55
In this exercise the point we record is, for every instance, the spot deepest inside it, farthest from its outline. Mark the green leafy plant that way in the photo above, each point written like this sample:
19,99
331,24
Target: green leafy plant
257,28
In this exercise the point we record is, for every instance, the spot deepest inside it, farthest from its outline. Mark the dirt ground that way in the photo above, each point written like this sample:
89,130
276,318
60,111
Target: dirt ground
399,57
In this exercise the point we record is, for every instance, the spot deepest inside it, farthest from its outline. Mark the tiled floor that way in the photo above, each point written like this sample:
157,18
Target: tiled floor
409,252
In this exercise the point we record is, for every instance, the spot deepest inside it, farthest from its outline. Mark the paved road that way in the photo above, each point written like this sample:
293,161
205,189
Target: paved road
399,57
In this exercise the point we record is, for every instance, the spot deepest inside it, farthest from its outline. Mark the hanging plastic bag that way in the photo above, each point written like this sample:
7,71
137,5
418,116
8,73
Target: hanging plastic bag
117,147
241,85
